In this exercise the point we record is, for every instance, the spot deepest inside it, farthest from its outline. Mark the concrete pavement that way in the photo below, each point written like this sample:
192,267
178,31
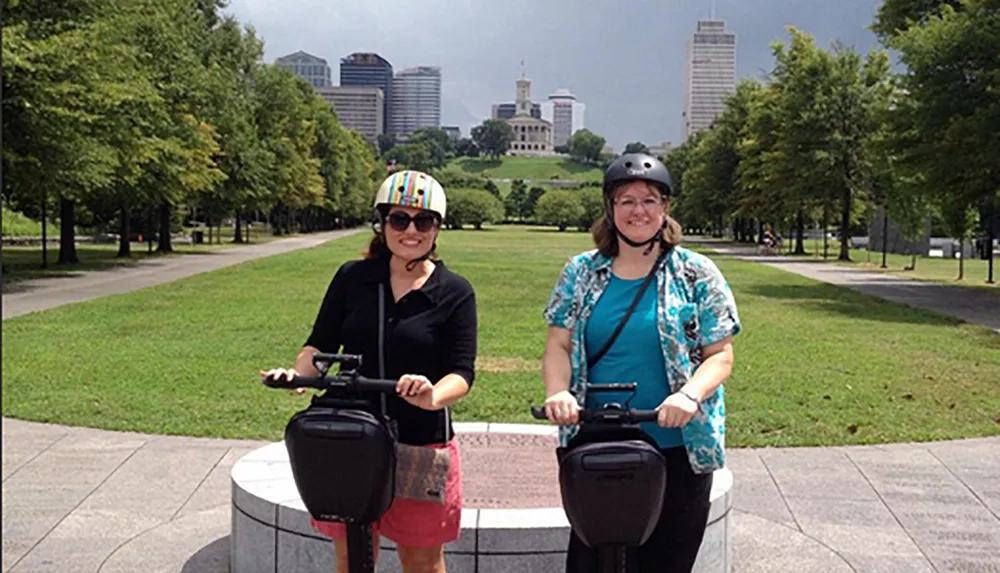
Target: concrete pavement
86,500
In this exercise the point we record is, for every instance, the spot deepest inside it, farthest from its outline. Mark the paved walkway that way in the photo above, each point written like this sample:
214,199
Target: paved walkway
85,500
40,294
975,306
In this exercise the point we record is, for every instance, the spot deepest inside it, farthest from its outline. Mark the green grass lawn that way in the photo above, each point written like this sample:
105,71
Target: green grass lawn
816,364
535,168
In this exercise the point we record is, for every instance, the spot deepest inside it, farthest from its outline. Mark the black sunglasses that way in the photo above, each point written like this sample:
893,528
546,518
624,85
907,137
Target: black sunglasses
400,221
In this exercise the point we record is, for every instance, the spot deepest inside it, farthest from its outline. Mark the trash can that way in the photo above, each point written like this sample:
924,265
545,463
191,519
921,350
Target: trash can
197,237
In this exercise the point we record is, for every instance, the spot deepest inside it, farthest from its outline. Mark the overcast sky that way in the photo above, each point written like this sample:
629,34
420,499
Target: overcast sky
624,59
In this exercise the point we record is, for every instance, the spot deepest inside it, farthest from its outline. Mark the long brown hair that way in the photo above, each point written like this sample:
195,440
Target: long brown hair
606,239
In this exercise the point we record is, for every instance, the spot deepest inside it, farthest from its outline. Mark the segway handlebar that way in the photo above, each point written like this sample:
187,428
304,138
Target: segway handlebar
335,381
605,415
612,413
348,378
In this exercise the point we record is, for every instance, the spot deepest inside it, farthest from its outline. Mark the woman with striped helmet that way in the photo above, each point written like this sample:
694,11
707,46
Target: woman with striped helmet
414,320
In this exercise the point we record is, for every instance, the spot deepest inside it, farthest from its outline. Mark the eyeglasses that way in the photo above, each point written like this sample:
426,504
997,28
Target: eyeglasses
400,221
630,203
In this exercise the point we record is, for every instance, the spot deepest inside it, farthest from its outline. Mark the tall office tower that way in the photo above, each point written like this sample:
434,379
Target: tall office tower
361,108
368,69
416,100
566,115
710,74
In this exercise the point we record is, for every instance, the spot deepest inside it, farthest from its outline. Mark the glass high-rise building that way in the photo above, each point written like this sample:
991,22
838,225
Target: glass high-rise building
368,69
416,100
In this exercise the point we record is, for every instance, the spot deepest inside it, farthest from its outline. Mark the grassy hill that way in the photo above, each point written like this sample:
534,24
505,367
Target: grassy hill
534,168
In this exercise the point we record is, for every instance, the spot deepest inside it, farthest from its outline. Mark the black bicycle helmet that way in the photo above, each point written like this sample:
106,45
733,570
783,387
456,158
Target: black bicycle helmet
638,167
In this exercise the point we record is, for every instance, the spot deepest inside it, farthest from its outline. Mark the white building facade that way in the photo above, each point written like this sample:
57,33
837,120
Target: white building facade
416,100
565,114
710,74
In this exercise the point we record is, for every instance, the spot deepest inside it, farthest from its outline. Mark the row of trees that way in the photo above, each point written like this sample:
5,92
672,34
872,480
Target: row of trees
835,136
431,148
133,113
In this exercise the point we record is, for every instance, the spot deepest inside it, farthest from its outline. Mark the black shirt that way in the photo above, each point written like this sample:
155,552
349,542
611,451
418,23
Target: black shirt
431,331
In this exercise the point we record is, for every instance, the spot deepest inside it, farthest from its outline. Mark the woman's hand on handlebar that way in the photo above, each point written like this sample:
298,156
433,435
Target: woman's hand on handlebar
676,411
562,408
417,390
281,373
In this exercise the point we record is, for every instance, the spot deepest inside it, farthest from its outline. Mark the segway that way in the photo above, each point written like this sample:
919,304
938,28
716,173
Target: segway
612,478
342,450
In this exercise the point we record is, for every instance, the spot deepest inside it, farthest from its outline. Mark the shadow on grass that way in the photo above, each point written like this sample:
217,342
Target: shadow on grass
25,263
572,166
846,303
568,231
480,165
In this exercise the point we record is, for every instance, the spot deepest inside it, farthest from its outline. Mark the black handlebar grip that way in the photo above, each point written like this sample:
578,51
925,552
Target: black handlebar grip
297,382
538,413
376,385
644,415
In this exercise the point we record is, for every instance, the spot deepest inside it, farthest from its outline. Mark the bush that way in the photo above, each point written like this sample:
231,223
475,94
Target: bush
559,207
472,207
592,201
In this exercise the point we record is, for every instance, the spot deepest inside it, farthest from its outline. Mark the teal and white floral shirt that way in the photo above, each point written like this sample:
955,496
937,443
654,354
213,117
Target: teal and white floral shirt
696,308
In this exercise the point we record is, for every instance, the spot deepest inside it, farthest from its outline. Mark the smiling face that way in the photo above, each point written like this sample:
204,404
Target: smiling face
409,232
639,210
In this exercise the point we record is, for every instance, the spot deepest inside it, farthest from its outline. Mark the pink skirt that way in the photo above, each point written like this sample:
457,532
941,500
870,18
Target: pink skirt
416,523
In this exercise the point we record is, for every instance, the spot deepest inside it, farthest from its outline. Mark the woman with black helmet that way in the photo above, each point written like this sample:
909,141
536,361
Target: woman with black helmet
671,335
426,340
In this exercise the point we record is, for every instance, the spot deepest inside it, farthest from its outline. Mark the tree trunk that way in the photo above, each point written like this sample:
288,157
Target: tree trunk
124,244
989,242
238,233
165,245
826,225
67,232
845,227
800,238
961,259
45,232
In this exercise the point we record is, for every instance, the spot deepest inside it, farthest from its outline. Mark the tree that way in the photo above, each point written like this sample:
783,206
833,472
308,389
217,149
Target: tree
493,189
895,16
533,195
636,147
560,207
412,155
466,147
438,143
386,141
592,202
586,146
953,101
493,137
516,201
472,207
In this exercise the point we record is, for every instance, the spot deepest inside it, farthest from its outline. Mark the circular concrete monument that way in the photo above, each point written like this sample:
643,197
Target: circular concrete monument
512,516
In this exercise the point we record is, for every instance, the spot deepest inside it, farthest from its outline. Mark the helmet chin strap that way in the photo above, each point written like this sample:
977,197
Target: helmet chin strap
650,242
410,265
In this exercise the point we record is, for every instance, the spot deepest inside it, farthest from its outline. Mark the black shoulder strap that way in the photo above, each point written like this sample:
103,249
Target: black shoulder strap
628,313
